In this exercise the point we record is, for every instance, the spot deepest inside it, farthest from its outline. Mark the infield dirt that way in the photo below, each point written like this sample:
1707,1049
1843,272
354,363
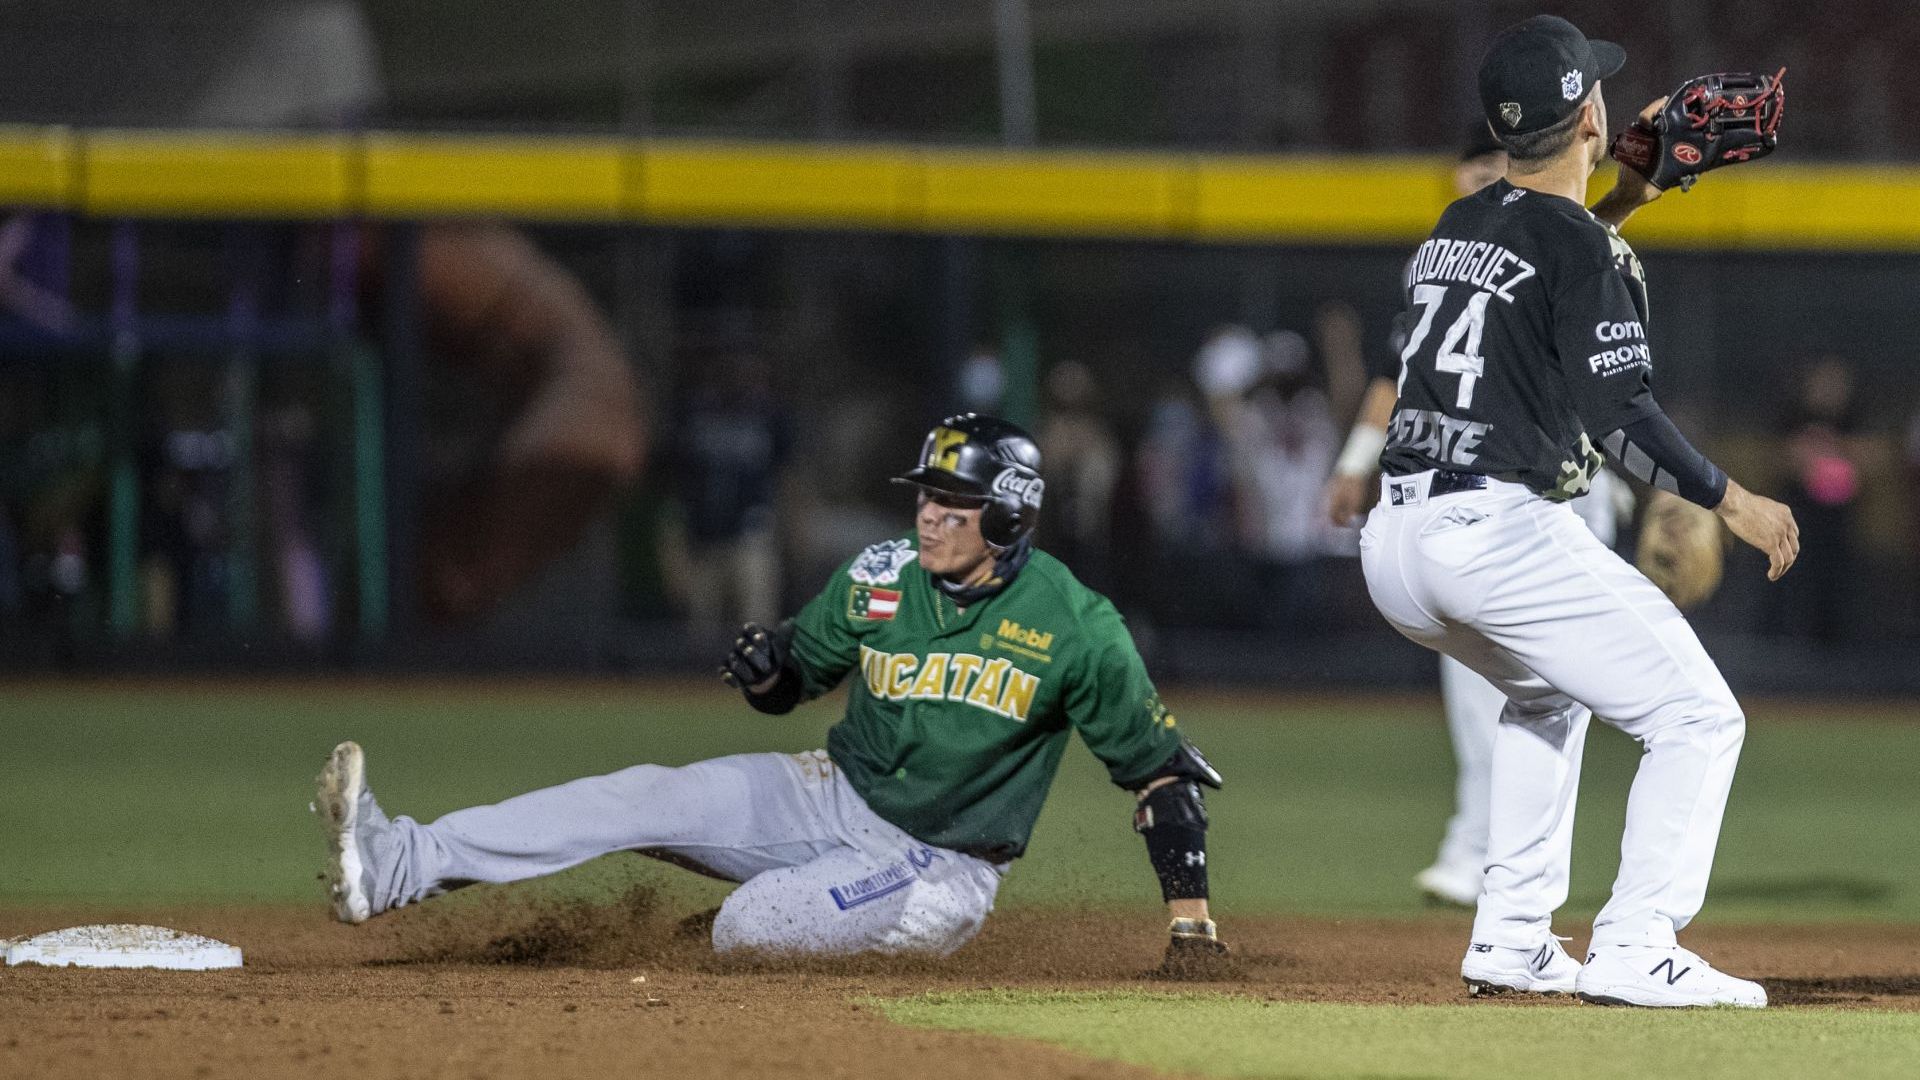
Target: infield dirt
500,987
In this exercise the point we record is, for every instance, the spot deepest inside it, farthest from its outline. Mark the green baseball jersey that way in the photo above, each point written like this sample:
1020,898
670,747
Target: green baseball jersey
957,717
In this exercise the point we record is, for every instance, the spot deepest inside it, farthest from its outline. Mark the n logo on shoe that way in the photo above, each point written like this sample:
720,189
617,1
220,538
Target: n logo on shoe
1671,976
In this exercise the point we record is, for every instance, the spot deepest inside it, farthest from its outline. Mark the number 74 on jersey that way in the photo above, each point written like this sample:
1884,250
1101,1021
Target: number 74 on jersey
1459,352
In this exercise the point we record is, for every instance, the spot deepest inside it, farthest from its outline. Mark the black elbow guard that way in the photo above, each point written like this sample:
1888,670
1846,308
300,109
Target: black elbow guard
1173,820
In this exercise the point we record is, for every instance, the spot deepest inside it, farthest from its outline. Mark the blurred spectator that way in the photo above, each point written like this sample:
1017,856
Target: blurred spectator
1912,469
727,453
1827,456
1281,439
1082,456
183,530
983,382
1182,479
293,499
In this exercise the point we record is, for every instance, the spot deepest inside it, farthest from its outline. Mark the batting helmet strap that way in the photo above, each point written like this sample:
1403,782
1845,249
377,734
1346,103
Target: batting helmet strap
988,459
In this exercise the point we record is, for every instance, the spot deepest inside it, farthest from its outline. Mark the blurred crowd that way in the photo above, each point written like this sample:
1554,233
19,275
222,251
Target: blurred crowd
1208,510
1195,501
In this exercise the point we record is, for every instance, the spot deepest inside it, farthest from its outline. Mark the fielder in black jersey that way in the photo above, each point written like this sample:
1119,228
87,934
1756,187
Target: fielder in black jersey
1527,330
1526,353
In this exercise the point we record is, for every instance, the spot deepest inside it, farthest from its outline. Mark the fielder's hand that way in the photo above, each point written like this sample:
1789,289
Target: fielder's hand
1195,953
1348,498
755,662
1764,524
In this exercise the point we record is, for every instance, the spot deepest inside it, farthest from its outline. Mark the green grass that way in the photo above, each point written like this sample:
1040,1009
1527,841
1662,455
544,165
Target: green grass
116,795
1213,1035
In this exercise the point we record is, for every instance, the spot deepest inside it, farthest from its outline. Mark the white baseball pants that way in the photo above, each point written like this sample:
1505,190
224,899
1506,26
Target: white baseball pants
1473,705
821,872
1519,590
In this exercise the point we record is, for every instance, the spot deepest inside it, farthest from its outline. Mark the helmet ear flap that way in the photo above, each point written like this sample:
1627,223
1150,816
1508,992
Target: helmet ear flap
1000,524
1014,506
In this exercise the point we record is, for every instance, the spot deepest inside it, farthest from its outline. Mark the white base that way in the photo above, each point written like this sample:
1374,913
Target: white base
123,945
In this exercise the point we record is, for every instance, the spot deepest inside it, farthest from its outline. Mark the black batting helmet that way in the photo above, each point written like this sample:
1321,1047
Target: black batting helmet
986,459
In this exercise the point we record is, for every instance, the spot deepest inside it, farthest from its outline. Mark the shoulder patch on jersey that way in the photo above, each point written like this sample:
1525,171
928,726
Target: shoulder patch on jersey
880,564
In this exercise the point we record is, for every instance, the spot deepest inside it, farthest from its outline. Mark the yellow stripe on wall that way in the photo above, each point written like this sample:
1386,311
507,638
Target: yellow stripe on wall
37,166
1053,194
1295,199
746,184
214,175
1321,199
472,176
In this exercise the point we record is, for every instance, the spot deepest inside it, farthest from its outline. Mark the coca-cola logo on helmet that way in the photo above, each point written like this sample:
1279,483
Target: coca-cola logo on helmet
1020,484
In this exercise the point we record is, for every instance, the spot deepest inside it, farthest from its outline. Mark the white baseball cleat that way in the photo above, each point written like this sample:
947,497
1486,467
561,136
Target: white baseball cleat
1659,977
340,791
1544,968
1458,886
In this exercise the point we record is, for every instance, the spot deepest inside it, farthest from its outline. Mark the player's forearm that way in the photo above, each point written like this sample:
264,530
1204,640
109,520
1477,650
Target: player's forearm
1654,451
1624,199
1361,456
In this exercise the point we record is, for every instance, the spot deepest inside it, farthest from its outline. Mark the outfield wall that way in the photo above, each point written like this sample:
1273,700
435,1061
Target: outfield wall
1290,199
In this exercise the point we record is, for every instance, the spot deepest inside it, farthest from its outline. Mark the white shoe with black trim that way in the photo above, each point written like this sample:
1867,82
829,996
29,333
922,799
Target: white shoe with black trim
1662,978
1544,968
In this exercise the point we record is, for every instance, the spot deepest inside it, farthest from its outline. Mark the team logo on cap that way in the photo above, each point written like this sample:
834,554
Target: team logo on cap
1510,112
1572,84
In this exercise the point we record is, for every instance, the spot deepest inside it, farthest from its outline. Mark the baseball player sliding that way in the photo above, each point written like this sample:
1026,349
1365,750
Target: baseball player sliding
1527,355
974,656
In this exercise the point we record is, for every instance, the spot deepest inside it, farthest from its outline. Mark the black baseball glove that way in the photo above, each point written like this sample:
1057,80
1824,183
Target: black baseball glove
758,655
1710,121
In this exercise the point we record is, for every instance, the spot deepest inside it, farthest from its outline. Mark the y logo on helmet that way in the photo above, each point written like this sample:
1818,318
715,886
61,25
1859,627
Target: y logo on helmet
946,449
1510,112
1027,489
1571,85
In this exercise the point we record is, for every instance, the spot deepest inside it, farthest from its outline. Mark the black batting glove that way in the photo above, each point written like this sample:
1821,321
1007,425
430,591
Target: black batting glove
758,655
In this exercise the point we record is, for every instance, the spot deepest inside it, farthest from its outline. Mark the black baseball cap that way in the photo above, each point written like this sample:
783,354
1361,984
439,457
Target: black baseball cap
1536,73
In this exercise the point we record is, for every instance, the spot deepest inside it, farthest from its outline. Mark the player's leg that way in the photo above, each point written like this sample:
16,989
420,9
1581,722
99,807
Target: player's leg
1595,628
1540,737
737,816
912,899
1472,706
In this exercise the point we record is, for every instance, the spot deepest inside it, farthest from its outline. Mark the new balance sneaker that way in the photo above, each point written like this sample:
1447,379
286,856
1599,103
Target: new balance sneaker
1544,968
1661,978
1456,886
348,813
